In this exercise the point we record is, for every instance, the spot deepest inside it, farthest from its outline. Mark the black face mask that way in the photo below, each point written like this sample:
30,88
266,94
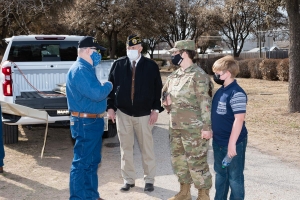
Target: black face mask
218,80
177,59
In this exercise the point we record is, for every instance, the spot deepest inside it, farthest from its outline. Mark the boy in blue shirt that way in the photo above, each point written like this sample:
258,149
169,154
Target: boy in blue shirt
229,130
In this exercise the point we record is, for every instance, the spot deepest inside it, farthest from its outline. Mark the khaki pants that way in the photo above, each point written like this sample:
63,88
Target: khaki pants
127,126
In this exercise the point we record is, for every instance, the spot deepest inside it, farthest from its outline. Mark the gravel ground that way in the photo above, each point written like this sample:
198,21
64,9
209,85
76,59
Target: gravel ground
29,177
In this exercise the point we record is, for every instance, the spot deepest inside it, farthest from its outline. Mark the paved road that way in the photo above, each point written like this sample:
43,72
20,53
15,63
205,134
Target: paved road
266,177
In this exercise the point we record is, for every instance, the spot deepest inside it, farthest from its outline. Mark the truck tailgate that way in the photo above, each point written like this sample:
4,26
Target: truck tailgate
37,77
44,100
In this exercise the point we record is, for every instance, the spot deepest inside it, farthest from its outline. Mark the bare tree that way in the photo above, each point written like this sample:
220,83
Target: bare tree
184,20
104,19
26,16
235,19
267,24
151,16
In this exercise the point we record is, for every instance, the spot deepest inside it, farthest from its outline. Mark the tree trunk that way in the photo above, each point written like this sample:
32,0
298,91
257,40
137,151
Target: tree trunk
114,43
294,52
151,54
109,38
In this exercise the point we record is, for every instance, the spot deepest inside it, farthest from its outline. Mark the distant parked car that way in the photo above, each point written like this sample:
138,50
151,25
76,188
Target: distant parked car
214,49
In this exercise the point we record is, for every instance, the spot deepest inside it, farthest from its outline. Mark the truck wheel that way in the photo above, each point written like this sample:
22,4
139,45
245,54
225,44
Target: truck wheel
10,133
111,132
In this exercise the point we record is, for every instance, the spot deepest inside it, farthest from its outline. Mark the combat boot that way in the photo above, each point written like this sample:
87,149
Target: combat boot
184,193
203,194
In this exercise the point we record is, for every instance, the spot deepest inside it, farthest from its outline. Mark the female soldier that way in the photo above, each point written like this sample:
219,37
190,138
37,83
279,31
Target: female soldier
188,101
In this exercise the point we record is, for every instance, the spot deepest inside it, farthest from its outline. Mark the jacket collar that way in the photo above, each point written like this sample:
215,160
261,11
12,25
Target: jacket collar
189,69
140,61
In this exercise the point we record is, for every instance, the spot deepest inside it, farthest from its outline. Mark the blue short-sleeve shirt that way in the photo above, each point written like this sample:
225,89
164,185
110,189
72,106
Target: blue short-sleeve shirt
227,102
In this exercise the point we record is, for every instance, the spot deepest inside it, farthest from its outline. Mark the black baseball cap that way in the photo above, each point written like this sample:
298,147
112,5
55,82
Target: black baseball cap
88,41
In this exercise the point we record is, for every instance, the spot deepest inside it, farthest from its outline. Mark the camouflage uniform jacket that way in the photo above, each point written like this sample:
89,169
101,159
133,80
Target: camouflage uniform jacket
190,91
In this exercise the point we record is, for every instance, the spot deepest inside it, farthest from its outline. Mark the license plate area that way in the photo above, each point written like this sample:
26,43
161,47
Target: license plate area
62,112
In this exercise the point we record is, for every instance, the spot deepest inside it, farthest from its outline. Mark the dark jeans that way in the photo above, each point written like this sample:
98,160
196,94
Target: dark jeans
2,153
233,175
87,155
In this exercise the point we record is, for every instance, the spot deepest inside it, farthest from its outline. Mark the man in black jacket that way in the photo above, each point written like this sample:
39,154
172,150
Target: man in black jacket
135,103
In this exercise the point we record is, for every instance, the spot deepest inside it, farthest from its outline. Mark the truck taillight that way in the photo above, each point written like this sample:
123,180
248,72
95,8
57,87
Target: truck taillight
7,83
6,70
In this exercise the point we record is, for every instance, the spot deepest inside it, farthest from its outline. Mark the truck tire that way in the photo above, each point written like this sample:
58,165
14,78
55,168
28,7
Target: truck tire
111,132
10,133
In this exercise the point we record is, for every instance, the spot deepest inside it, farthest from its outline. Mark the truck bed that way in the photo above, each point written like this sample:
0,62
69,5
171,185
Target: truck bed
46,100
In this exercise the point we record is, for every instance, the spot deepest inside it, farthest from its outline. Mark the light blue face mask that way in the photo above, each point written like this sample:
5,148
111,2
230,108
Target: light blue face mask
96,58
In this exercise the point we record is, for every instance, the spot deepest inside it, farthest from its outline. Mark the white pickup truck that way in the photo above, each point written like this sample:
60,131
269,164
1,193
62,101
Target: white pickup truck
33,66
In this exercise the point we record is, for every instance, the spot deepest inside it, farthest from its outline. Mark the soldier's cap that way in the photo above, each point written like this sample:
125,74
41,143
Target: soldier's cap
88,41
133,40
183,44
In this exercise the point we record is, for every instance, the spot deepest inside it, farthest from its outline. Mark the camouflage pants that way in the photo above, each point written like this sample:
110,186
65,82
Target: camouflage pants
189,157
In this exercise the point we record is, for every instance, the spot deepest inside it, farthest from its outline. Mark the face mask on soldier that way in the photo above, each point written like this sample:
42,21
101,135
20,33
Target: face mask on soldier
177,59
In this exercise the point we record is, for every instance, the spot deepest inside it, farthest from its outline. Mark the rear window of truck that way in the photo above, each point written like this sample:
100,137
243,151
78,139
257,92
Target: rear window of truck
31,51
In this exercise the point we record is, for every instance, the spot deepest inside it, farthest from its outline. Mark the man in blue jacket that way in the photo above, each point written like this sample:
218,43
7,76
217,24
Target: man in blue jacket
136,100
87,103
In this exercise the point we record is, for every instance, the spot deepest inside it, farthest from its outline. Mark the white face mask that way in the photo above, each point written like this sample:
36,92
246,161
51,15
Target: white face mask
132,54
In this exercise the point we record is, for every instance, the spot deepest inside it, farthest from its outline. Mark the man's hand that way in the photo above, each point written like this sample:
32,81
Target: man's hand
153,117
206,134
111,114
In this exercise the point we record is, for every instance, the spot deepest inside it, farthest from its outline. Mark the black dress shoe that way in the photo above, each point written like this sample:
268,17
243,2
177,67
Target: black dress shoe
127,187
149,187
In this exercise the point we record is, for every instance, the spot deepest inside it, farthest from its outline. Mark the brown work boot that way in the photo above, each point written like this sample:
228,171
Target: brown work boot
184,193
203,194
1,169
